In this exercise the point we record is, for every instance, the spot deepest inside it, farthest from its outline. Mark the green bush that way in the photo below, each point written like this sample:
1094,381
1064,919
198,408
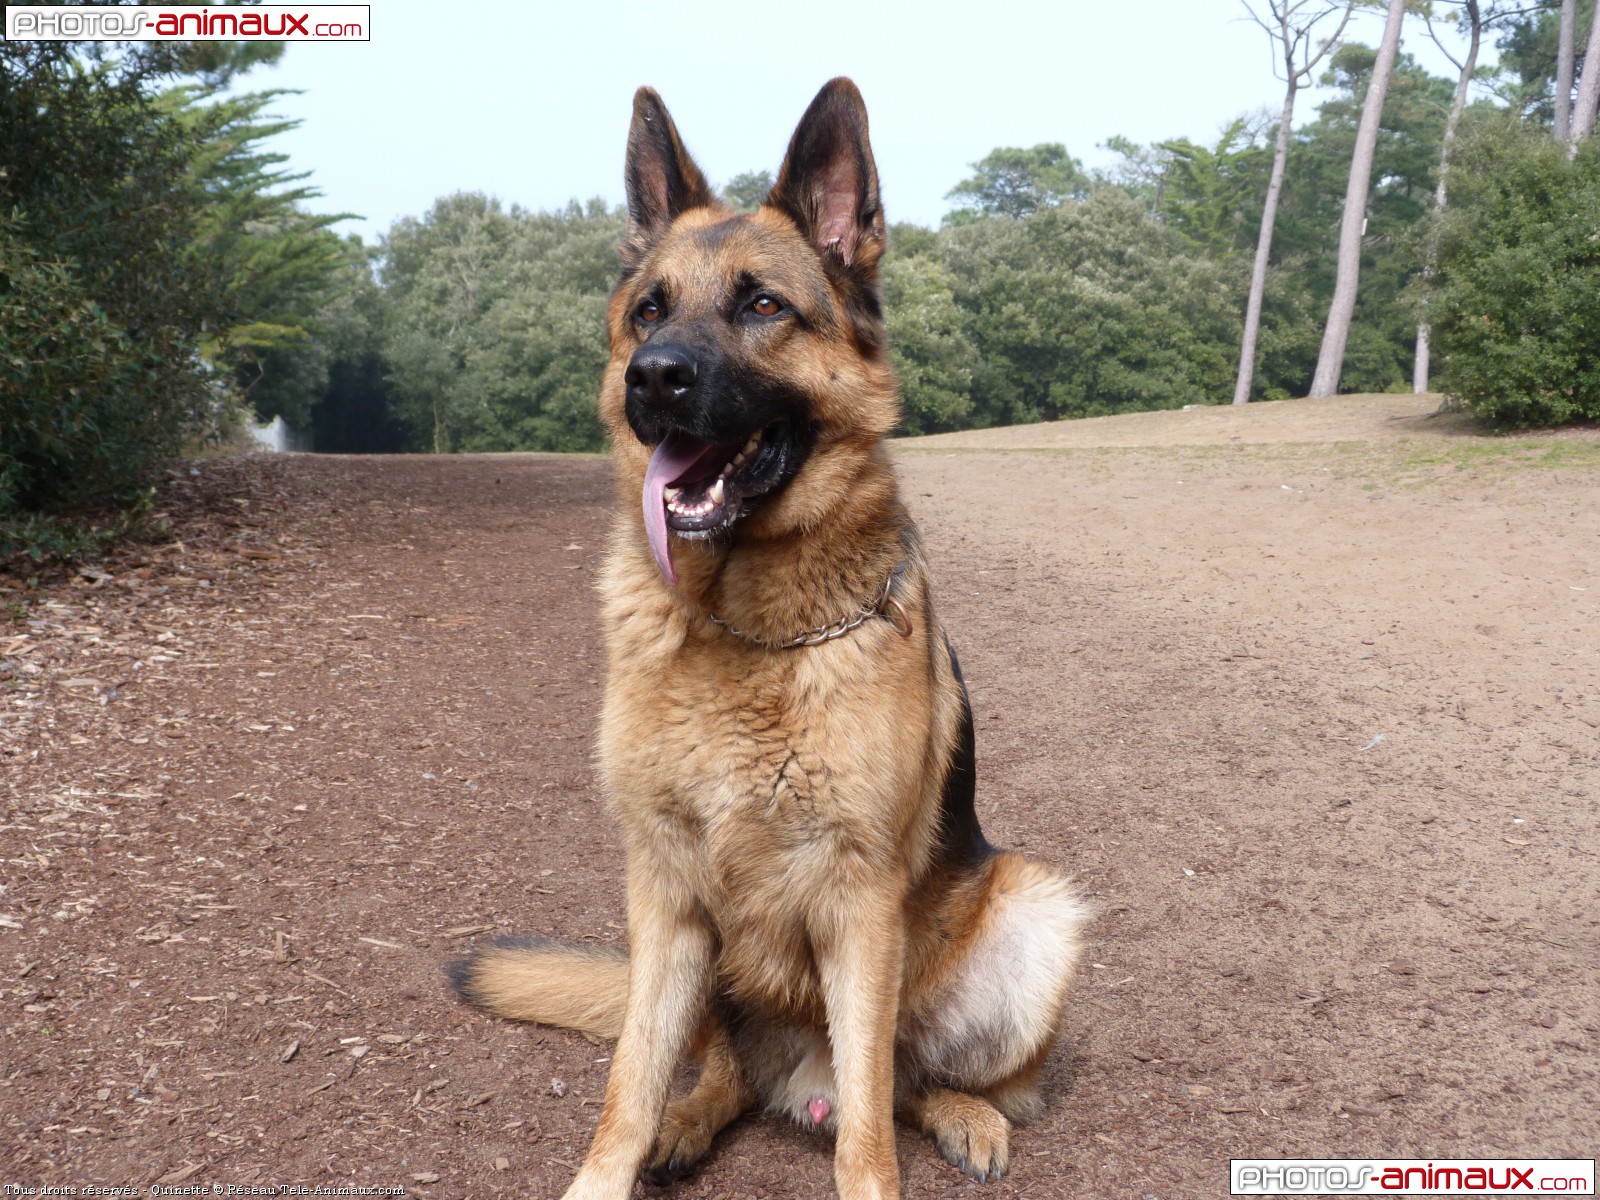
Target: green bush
151,255
101,308
1516,306
72,434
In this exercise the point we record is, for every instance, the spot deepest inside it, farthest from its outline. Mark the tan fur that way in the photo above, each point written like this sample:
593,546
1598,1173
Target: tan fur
553,984
966,1128
720,1095
781,809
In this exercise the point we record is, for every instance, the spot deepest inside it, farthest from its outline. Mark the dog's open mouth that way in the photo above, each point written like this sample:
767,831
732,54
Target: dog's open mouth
698,489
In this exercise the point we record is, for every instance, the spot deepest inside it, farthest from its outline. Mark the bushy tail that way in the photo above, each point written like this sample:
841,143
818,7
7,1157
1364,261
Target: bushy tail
531,979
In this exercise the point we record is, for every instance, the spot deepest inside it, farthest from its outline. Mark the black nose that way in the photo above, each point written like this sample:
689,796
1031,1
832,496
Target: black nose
661,375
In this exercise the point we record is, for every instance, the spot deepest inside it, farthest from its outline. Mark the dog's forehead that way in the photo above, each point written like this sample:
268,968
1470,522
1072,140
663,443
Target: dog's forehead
706,256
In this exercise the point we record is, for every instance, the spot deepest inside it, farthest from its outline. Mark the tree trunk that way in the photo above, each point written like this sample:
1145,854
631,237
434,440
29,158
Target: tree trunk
1330,363
1258,277
1564,53
1583,112
1290,37
1419,370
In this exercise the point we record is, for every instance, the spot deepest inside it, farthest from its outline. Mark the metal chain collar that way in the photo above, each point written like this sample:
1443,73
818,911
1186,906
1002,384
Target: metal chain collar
883,606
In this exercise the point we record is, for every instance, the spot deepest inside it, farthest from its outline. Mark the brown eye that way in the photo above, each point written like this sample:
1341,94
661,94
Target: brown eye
649,312
765,306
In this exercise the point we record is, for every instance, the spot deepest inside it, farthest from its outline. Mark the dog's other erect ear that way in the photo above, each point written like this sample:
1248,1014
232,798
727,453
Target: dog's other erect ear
829,183
662,179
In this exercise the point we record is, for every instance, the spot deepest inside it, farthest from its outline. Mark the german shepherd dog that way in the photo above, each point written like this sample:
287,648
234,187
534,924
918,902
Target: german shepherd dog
813,912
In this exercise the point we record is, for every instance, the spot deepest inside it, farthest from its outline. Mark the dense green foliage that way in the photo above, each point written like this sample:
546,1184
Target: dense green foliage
932,353
102,304
745,191
148,252
1517,303
495,330
1528,45
278,265
1010,182
1378,357
1090,308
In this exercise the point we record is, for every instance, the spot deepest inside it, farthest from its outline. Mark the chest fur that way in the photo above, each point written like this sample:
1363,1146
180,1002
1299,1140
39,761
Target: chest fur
767,781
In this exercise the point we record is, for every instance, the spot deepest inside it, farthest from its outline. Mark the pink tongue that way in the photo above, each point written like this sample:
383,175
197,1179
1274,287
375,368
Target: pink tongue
674,458
820,1108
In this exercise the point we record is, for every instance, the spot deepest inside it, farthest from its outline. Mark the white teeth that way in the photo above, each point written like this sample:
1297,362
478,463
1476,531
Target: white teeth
683,509
715,496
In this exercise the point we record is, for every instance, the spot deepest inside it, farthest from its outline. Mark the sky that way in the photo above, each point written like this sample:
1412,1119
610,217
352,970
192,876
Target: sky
529,101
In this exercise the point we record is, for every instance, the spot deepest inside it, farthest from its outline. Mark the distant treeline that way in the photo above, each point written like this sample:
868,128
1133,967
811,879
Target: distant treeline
160,270
1048,292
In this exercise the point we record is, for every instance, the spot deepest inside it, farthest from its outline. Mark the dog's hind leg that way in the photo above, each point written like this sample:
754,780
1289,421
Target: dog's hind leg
721,1096
1018,1096
995,1023
971,1133
973,1129
973,1059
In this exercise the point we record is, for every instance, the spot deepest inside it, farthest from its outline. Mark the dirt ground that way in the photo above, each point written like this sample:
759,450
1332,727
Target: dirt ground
1306,696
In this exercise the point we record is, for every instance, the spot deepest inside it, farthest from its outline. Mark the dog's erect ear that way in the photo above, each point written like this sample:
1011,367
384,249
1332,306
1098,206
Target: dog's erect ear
829,183
661,177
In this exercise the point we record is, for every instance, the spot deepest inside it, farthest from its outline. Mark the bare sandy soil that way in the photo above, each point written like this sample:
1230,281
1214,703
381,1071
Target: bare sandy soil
1306,696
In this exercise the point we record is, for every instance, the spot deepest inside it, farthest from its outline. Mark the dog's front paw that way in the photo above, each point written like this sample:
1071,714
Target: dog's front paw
975,1137
684,1139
